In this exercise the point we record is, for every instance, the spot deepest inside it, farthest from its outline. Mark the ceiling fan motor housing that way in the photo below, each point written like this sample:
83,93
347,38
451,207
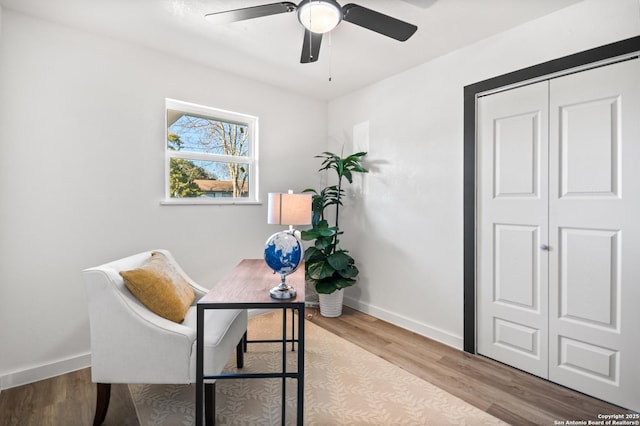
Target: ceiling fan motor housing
319,16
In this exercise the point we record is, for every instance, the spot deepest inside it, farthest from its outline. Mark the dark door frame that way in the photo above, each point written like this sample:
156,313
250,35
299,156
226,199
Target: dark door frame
560,65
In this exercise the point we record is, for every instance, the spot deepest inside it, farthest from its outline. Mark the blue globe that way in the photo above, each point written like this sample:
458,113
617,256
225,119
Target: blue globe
283,252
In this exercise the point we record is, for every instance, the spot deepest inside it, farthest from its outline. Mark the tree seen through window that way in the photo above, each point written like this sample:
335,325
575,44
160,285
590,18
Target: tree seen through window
208,157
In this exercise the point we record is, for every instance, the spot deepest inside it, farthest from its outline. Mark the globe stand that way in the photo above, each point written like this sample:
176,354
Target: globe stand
283,291
283,253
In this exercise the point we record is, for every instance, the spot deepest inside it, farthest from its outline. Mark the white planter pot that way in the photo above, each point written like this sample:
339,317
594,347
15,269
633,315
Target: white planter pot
331,304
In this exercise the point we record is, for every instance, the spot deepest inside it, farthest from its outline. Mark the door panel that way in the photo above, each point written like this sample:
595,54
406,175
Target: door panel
590,169
513,206
594,201
516,143
516,338
516,280
589,281
589,361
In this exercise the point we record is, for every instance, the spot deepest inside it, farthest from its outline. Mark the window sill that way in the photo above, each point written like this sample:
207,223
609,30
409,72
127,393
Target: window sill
195,202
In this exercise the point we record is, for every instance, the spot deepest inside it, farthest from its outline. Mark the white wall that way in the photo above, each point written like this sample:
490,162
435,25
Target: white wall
405,224
81,178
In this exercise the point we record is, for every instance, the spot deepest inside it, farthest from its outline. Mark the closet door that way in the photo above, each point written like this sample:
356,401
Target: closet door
512,227
559,230
594,232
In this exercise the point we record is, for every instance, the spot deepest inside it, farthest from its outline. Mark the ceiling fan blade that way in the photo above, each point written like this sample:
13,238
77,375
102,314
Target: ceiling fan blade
310,47
251,12
378,22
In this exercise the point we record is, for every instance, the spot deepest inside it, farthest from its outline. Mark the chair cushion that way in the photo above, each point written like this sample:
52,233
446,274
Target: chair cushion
159,286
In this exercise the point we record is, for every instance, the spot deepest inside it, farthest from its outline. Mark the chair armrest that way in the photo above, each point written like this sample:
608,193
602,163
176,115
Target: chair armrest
129,343
199,292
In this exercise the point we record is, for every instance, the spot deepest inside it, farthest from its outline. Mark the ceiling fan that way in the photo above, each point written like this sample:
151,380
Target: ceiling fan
319,17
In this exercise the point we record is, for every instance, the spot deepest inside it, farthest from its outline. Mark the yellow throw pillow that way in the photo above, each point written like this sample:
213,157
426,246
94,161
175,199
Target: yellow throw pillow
160,287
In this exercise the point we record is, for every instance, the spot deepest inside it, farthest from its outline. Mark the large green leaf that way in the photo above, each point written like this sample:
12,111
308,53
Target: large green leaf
339,260
350,272
322,243
322,229
319,270
309,234
347,174
330,284
324,287
312,255
343,282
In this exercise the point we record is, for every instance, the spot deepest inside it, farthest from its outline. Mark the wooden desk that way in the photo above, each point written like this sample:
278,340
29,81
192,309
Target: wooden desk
247,287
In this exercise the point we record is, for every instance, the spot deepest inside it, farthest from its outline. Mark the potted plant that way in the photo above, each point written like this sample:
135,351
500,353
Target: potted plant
327,266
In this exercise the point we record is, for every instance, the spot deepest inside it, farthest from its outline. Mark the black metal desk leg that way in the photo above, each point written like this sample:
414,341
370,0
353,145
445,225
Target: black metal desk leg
293,330
284,364
200,366
300,414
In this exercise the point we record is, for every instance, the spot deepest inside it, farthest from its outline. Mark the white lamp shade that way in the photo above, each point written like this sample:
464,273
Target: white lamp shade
289,209
319,16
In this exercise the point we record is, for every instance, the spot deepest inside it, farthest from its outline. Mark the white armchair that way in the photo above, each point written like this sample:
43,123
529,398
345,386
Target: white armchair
131,344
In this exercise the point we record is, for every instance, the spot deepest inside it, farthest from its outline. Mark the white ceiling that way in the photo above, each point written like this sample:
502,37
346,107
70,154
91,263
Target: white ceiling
268,49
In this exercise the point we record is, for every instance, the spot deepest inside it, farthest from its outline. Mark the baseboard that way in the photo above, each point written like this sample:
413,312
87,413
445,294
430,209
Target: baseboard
42,372
406,323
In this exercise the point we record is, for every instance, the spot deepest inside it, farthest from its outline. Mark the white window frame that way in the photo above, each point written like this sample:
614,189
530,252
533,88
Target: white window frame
252,159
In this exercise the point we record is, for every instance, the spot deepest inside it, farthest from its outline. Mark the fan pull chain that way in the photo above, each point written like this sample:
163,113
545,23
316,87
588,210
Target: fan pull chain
310,53
330,57
310,43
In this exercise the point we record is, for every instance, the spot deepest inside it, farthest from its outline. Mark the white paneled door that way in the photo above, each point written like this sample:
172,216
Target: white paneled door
514,205
559,230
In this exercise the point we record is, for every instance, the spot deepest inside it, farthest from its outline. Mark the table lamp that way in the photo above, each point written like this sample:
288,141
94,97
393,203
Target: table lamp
283,251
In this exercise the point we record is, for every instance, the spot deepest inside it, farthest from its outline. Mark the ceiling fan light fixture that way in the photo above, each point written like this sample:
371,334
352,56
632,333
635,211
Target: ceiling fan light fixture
319,16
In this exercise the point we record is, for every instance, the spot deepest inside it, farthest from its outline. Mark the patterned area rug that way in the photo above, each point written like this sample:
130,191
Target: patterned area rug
344,385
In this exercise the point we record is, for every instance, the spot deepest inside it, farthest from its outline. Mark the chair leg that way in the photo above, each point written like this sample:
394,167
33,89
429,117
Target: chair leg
245,341
210,403
240,354
102,402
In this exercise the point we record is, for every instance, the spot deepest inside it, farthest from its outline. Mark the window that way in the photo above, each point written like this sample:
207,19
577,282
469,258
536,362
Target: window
211,155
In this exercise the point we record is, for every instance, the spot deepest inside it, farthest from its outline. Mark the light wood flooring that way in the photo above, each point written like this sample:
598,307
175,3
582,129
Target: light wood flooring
513,396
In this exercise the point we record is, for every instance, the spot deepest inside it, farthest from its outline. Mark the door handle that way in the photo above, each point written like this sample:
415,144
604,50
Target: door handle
545,247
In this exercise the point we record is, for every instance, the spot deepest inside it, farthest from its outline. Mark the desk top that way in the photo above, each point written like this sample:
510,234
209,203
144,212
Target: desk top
249,283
